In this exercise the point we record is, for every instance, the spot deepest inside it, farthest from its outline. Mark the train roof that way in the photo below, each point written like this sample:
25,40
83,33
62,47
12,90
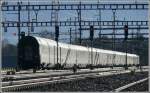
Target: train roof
46,42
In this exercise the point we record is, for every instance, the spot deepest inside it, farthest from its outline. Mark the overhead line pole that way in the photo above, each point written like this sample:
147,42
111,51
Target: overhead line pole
57,32
126,42
100,25
79,19
114,11
70,34
18,25
19,33
28,19
91,38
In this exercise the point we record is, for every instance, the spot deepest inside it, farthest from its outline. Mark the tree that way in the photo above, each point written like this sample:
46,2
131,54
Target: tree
9,54
47,34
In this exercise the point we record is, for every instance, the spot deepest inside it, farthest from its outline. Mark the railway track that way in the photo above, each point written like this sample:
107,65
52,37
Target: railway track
49,74
123,88
93,84
29,83
18,85
36,82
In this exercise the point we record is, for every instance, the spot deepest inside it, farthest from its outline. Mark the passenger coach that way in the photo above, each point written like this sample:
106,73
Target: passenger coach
40,53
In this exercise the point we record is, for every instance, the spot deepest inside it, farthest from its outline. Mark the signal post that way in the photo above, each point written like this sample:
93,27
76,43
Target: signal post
91,38
125,40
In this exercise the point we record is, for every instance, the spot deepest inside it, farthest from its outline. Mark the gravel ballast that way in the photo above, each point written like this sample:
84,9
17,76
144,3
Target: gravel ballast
95,84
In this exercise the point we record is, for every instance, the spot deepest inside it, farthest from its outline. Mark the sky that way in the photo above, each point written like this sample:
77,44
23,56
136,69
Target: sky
106,15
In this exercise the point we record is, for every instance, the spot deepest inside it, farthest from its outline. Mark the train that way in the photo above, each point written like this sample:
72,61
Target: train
41,53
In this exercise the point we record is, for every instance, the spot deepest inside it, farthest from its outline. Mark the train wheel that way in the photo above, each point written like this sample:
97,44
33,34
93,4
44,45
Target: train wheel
17,69
74,68
91,67
111,67
126,67
58,66
132,72
34,70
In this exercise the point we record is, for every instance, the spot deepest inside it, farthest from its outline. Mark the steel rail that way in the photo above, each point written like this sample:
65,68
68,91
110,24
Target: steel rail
44,81
130,85
54,75
59,80
41,83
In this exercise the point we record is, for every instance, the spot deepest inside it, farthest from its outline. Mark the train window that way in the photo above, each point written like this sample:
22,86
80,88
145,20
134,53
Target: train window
28,53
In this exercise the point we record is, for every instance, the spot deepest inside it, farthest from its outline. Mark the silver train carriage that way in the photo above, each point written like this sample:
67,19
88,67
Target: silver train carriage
37,52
